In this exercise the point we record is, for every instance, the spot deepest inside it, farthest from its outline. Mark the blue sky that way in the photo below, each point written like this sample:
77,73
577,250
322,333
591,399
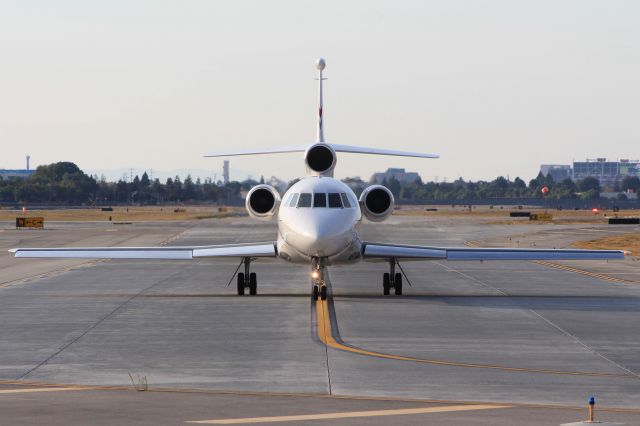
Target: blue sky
495,87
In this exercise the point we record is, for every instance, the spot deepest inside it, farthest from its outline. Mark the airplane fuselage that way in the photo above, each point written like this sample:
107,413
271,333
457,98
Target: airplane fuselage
319,217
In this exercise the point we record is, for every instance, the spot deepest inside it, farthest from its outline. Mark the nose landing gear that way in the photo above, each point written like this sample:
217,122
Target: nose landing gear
319,284
392,279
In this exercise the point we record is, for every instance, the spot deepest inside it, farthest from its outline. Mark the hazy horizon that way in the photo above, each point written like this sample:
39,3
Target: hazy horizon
496,88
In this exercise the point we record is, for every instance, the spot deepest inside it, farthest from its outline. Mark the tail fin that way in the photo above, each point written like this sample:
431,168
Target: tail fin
320,64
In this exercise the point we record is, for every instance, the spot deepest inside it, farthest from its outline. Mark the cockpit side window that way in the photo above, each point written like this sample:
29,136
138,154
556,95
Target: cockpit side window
353,199
345,200
319,199
304,200
294,200
334,200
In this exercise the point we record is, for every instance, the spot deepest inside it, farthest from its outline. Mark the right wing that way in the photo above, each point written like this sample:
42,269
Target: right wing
267,249
404,252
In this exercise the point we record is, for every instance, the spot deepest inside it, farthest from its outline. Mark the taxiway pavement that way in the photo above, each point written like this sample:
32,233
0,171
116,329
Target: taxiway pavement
465,332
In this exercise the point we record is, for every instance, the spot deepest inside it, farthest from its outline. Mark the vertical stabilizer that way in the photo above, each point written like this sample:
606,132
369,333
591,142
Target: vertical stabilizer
320,64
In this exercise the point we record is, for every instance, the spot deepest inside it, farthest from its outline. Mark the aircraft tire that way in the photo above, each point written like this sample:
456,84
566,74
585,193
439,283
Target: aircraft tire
240,284
316,292
386,286
397,286
323,292
253,284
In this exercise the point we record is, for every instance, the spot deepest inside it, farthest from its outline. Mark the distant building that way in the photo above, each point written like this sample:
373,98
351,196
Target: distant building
225,172
616,195
607,172
400,175
7,174
558,172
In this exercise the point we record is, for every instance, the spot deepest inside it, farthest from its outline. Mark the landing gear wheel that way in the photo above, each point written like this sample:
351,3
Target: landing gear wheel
316,292
385,284
323,292
253,284
397,285
240,284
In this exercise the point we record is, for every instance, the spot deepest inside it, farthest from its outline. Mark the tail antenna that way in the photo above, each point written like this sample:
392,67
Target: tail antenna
320,64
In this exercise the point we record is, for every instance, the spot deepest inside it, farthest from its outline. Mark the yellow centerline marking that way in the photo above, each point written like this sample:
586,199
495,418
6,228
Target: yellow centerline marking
350,414
325,335
49,389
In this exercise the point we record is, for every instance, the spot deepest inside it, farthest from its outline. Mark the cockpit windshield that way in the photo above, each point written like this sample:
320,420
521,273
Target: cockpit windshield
333,200
319,199
305,200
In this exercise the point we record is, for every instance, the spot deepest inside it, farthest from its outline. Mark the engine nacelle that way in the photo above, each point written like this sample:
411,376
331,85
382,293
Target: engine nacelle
262,201
376,203
320,159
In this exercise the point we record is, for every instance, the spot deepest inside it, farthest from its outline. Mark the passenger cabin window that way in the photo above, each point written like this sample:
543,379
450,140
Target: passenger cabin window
319,199
334,200
294,200
345,200
305,200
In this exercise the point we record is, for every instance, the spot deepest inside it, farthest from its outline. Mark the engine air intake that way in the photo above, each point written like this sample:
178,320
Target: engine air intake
376,203
262,201
320,158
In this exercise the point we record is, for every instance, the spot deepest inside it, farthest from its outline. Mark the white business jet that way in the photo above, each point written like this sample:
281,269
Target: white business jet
318,225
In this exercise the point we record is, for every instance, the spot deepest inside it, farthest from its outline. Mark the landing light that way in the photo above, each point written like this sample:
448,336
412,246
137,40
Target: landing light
315,274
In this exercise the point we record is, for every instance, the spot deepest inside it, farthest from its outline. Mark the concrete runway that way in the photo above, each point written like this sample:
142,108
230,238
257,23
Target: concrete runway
465,341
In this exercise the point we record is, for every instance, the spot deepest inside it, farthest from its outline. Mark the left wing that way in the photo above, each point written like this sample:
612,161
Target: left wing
390,251
267,249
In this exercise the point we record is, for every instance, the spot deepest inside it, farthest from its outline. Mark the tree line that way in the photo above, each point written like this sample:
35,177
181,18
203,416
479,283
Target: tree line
65,183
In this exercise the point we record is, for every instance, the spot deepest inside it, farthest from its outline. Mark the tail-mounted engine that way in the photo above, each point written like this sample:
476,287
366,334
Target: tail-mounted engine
262,201
376,203
320,159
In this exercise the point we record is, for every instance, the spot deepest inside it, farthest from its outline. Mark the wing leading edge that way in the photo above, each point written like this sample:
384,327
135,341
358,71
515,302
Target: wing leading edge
267,249
388,251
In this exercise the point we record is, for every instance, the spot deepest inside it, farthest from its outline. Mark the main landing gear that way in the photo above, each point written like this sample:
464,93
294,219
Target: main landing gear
247,279
392,279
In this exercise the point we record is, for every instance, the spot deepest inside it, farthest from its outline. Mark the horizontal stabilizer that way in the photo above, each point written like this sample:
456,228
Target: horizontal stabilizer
338,148
387,251
258,151
177,252
379,151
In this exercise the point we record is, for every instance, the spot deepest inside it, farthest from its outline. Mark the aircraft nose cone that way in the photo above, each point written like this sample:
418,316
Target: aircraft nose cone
324,238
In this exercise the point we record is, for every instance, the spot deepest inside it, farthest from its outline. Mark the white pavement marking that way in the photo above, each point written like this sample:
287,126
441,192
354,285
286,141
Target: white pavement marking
51,389
351,414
